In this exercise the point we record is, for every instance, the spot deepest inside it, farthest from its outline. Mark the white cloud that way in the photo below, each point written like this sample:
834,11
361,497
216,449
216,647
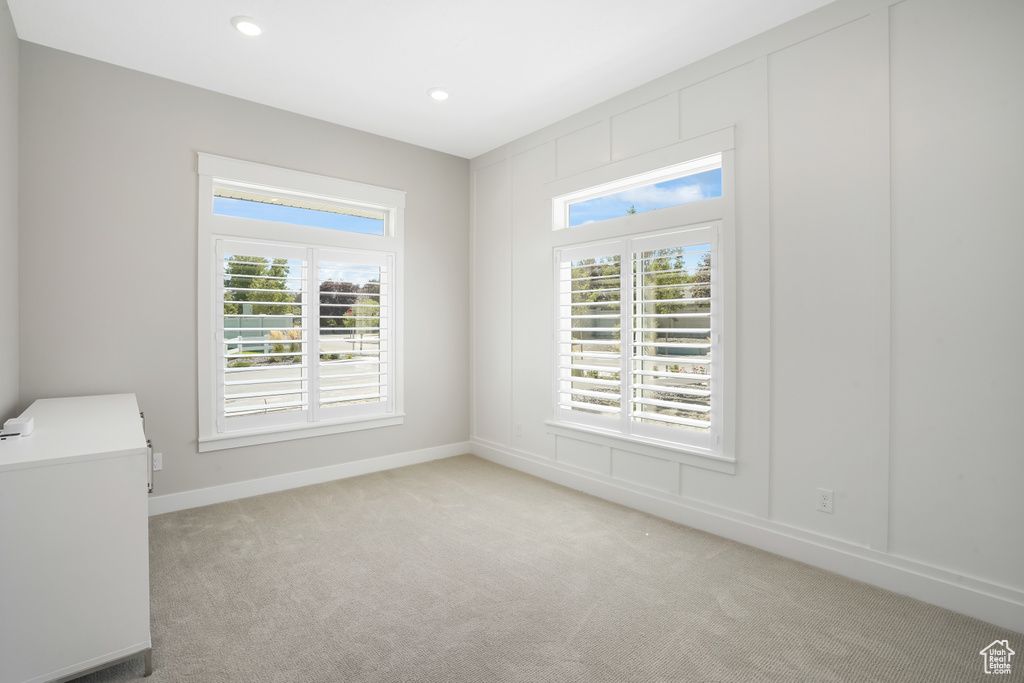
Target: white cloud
360,276
663,196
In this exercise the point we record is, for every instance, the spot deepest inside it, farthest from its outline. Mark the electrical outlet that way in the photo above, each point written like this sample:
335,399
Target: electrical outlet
519,429
825,501
158,462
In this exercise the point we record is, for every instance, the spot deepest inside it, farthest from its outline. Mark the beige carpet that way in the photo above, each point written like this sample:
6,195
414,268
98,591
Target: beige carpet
461,570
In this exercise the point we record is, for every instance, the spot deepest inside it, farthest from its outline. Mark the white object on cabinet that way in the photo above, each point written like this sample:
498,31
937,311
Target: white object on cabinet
74,541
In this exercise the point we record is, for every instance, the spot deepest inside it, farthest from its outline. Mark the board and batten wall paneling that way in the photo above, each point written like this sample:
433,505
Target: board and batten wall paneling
828,107
644,470
958,318
848,282
729,98
650,126
532,294
8,215
492,303
584,149
590,457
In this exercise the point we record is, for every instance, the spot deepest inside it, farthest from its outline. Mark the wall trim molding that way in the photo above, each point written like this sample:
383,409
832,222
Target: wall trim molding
184,500
802,28
994,603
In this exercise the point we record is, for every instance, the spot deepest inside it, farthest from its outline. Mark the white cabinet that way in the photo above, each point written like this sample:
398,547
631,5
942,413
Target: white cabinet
74,540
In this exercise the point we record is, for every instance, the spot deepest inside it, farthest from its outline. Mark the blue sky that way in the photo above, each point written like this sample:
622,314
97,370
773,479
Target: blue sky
242,208
691,188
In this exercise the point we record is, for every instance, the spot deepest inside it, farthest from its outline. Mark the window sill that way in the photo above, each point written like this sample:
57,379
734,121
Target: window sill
650,447
253,437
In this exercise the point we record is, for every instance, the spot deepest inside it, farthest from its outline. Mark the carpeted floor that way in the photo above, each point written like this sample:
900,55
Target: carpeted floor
462,570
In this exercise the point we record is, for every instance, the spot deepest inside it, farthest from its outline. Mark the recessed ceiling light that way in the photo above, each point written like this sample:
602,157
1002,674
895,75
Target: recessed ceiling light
247,25
439,94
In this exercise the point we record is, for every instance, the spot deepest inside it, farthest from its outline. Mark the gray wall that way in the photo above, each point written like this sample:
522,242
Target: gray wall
108,256
878,174
8,215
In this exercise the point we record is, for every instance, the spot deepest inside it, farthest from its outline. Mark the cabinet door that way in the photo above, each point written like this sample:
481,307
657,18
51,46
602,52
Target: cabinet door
74,567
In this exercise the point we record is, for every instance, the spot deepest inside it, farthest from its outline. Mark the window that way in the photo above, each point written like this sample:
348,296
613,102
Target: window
638,337
230,201
300,296
691,181
644,349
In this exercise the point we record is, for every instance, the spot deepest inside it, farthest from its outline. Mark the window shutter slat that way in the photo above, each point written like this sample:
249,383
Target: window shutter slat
263,336
353,314
589,354
671,338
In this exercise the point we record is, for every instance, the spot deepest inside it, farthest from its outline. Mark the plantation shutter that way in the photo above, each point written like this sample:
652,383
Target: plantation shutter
637,350
262,334
355,333
589,324
672,326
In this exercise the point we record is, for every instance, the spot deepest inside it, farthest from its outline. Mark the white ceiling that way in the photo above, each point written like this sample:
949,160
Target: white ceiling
511,67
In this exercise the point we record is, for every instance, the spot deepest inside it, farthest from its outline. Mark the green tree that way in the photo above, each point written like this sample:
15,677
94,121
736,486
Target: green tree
367,314
590,277
247,273
664,279
336,300
703,275
595,281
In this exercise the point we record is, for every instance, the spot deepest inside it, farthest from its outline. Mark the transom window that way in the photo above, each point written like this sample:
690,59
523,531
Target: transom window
282,208
692,181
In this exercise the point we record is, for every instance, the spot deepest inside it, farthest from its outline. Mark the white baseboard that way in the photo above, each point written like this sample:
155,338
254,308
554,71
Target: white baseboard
172,502
996,604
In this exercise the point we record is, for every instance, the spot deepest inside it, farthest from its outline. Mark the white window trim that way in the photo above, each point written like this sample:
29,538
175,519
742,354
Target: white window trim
224,171
680,217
